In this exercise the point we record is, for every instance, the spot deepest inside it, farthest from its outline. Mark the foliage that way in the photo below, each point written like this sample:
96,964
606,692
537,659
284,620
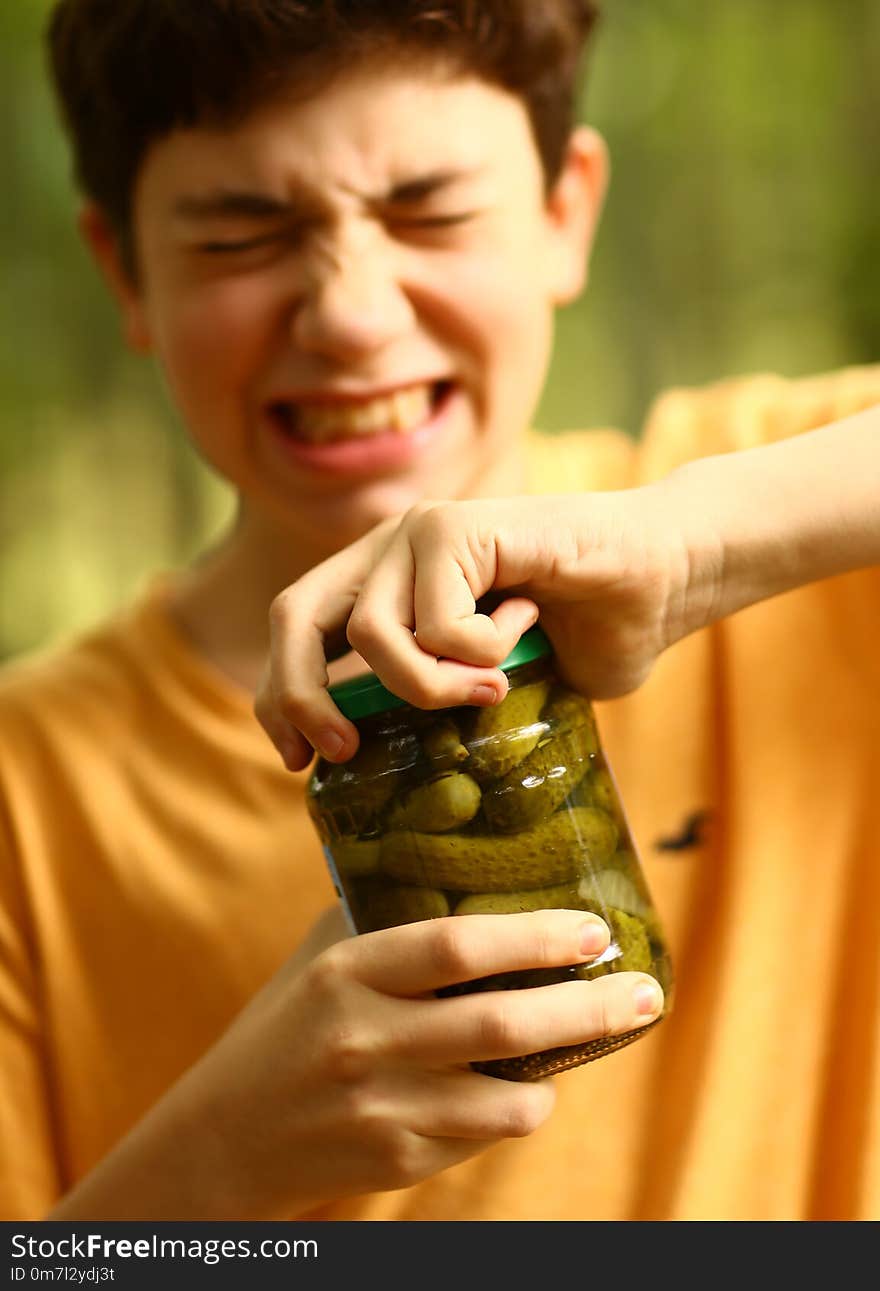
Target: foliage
739,235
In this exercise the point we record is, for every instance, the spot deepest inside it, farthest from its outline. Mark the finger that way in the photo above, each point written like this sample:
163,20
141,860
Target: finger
296,752
507,1024
462,1104
417,958
295,702
416,624
381,630
451,574
482,639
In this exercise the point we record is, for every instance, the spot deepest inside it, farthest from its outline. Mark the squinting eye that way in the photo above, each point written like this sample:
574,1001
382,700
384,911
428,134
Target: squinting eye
431,221
248,244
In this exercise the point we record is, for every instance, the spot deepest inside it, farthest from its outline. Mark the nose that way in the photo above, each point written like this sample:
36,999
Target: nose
354,304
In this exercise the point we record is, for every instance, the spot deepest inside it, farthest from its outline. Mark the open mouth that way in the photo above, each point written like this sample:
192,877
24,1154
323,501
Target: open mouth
401,412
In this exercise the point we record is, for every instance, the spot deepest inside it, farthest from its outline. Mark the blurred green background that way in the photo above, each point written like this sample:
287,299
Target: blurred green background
740,235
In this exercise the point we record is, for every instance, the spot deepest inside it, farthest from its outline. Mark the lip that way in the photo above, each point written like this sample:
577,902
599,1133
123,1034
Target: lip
385,452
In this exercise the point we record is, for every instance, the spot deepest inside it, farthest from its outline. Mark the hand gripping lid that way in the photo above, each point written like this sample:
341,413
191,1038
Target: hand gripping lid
365,695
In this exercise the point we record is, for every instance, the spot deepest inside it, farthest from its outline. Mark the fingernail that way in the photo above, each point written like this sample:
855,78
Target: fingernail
648,998
329,743
594,939
484,695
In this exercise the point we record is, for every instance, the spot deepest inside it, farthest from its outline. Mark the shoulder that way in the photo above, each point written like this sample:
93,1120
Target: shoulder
570,460
686,422
82,685
747,411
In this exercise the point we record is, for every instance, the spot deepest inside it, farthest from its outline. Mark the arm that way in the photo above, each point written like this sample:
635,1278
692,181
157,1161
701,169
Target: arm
616,578
786,514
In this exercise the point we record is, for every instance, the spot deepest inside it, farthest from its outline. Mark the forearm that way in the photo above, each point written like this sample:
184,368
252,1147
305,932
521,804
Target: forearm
191,1156
773,518
175,1164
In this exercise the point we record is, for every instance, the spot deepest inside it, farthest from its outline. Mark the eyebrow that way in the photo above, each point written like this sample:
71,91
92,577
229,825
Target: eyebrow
229,203
421,186
226,203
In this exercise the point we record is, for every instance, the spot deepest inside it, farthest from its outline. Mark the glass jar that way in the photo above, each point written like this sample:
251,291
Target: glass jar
489,811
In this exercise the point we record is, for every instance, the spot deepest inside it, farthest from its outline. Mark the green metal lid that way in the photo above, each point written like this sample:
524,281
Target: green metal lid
365,695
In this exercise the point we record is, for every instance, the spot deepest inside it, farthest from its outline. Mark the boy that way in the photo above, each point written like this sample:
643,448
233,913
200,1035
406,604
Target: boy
343,230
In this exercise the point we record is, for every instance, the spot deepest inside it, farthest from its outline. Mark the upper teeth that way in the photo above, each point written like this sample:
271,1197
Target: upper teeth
402,411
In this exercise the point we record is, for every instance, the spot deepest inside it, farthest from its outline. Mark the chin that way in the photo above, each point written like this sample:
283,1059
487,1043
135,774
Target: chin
355,516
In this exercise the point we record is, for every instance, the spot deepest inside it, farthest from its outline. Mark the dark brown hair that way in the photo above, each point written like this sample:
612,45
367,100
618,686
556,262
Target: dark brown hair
128,72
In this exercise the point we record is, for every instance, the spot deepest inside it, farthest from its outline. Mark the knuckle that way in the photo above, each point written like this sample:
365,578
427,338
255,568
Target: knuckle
281,609
440,518
499,1032
325,977
522,1116
420,693
350,1058
383,1144
291,704
262,709
404,1159
364,628
544,948
448,949
423,512
602,992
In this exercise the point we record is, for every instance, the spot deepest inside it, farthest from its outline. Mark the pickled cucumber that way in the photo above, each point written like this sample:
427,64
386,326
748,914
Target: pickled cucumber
568,711
437,805
355,856
502,736
540,782
553,851
561,896
387,905
604,794
349,797
536,787
443,745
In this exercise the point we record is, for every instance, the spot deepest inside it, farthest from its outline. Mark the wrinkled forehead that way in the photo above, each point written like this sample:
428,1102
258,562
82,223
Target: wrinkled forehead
361,132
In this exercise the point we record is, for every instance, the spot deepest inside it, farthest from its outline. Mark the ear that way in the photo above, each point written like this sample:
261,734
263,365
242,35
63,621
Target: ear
103,242
573,208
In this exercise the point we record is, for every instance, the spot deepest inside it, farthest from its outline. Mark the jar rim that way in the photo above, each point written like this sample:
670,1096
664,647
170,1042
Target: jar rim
364,695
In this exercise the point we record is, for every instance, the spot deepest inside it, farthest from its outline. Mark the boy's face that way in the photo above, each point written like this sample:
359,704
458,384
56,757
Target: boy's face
351,296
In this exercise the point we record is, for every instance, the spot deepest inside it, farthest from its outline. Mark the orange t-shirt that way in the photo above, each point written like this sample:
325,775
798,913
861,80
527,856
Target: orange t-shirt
157,865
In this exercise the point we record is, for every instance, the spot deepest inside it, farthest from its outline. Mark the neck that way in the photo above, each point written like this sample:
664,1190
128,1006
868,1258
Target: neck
221,602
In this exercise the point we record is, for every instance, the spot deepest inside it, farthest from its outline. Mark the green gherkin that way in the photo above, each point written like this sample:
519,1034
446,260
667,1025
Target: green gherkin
443,745
355,856
437,805
502,735
543,779
560,896
387,905
568,711
604,794
348,797
556,850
